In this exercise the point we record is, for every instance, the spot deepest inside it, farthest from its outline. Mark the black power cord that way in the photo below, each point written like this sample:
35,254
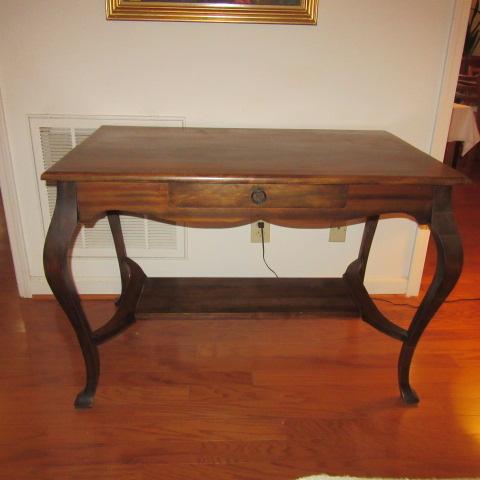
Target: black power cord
409,305
261,226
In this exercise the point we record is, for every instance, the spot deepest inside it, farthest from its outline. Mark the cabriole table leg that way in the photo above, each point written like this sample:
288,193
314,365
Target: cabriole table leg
448,269
62,231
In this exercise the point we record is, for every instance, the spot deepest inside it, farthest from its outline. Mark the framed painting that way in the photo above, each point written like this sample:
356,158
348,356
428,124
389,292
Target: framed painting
230,11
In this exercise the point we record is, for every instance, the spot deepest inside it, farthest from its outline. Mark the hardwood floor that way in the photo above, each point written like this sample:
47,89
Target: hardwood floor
242,399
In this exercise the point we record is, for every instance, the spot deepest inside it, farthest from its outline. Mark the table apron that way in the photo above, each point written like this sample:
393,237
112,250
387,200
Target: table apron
215,205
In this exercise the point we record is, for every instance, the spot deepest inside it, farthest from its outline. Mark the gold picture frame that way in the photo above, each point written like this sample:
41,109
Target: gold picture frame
297,12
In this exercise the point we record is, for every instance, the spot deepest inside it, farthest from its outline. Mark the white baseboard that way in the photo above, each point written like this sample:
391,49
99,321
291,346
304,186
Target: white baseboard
111,285
377,285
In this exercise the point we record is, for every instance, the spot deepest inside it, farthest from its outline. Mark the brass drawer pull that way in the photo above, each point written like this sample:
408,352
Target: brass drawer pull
258,196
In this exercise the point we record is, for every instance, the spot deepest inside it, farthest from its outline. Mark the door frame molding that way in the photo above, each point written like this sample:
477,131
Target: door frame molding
12,210
441,124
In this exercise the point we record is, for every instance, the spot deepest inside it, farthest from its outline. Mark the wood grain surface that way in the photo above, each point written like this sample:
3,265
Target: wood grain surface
215,205
214,195
249,155
329,296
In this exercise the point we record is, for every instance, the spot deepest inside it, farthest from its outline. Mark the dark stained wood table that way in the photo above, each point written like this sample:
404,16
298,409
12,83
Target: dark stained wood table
226,177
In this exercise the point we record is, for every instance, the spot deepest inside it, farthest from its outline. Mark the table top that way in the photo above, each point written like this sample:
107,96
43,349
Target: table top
125,153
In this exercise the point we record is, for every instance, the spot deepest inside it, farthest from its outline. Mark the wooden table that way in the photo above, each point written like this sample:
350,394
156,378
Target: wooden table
227,177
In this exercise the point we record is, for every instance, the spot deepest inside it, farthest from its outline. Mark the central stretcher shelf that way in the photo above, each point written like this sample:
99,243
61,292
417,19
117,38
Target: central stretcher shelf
328,296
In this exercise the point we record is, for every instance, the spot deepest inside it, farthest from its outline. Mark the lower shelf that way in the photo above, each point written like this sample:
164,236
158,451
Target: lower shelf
328,296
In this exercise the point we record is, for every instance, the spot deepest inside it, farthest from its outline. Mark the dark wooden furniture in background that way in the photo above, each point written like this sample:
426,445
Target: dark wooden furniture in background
470,64
228,177
468,91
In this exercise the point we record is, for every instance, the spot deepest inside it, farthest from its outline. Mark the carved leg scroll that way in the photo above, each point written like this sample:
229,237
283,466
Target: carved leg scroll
449,266
354,277
59,276
132,278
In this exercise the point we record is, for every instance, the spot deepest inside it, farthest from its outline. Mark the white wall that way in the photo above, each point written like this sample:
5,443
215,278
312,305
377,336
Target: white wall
367,64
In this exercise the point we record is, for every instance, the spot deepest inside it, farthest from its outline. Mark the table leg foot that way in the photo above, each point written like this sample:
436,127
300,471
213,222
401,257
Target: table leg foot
409,396
84,400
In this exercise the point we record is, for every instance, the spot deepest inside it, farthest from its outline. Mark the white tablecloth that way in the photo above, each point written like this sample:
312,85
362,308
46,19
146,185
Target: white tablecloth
463,127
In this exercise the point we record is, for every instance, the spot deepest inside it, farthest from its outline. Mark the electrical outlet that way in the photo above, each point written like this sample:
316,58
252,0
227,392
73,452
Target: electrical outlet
256,233
338,234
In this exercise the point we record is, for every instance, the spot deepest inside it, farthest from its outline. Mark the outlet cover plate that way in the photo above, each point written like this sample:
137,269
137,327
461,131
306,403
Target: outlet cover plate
338,234
256,234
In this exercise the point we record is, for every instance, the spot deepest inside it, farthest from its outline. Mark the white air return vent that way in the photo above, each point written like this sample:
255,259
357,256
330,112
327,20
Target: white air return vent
52,138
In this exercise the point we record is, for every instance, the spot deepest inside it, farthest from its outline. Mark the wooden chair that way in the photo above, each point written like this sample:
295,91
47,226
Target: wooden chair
470,64
468,87
468,92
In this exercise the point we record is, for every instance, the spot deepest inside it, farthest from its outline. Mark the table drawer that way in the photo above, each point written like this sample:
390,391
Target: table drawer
243,195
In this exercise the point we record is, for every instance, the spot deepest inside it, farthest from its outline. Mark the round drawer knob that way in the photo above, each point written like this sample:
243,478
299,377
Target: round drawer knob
258,196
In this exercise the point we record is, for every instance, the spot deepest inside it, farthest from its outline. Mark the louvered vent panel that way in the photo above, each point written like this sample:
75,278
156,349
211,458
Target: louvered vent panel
135,231
142,236
81,134
56,142
159,237
99,236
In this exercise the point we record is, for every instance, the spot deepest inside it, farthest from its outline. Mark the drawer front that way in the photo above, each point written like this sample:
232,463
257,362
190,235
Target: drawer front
184,195
93,198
